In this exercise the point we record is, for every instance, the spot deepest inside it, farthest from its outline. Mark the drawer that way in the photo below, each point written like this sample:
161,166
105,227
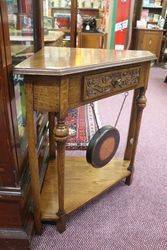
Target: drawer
105,83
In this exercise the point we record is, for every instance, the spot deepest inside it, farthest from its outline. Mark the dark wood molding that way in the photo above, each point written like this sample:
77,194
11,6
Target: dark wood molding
17,239
9,86
9,243
24,182
16,222
73,33
16,230
5,30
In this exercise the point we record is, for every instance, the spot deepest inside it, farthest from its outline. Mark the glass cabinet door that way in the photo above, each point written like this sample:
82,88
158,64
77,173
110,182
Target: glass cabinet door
20,20
21,31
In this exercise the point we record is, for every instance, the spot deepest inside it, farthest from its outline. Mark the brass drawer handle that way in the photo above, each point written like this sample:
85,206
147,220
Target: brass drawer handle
150,42
117,83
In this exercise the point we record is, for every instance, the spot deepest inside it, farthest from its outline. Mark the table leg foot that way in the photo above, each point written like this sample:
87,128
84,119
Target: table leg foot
61,224
129,179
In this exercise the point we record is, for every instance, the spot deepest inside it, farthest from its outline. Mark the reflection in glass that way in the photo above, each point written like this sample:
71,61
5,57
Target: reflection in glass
57,22
20,108
20,19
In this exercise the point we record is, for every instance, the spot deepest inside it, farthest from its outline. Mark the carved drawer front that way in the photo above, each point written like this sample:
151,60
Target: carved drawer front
106,83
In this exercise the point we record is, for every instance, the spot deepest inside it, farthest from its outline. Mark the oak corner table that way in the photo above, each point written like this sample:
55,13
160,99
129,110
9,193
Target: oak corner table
58,79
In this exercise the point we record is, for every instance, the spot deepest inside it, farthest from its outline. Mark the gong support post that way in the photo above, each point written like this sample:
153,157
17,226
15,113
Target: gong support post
139,103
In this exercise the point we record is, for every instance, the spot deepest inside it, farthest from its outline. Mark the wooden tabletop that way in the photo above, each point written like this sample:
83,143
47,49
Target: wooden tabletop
63,61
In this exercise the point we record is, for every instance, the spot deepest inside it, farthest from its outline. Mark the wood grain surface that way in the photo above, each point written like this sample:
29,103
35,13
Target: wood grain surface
82,183
63,61
65,78
33,159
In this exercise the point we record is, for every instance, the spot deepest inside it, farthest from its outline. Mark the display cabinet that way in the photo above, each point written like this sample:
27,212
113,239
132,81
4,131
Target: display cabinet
20,38
152,10
22,34
148,39
152,36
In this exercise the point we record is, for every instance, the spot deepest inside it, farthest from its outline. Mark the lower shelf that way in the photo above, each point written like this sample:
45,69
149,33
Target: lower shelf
82,184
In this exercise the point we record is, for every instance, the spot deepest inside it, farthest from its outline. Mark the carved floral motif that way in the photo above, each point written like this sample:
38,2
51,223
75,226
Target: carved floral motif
100,84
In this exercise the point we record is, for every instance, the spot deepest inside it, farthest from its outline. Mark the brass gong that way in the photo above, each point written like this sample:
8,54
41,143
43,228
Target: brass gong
104,144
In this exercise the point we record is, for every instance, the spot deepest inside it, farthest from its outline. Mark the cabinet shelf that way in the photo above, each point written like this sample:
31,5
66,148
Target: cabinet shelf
83,11
82,184
152,7
67,8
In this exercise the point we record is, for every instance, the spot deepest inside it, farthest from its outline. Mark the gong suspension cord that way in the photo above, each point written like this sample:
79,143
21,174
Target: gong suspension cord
120,111
94,114
119,114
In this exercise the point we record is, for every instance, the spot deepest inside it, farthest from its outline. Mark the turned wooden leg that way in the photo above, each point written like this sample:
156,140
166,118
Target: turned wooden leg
139,103
61,134
33,160
52,151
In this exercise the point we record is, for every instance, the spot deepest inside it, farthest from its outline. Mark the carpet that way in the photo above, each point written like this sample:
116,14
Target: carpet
82,127
125,218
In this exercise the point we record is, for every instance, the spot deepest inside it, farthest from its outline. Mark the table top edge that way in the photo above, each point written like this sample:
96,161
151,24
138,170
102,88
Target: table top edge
81,69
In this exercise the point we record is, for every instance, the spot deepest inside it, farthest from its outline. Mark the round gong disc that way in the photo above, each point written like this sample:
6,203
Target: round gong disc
103,146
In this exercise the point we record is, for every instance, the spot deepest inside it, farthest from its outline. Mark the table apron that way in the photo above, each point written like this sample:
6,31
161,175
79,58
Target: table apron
85,88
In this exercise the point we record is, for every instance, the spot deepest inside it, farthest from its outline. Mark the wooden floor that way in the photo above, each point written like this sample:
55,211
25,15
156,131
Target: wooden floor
82,184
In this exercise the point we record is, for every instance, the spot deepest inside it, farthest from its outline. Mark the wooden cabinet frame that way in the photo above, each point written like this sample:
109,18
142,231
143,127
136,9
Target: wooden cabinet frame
16,222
